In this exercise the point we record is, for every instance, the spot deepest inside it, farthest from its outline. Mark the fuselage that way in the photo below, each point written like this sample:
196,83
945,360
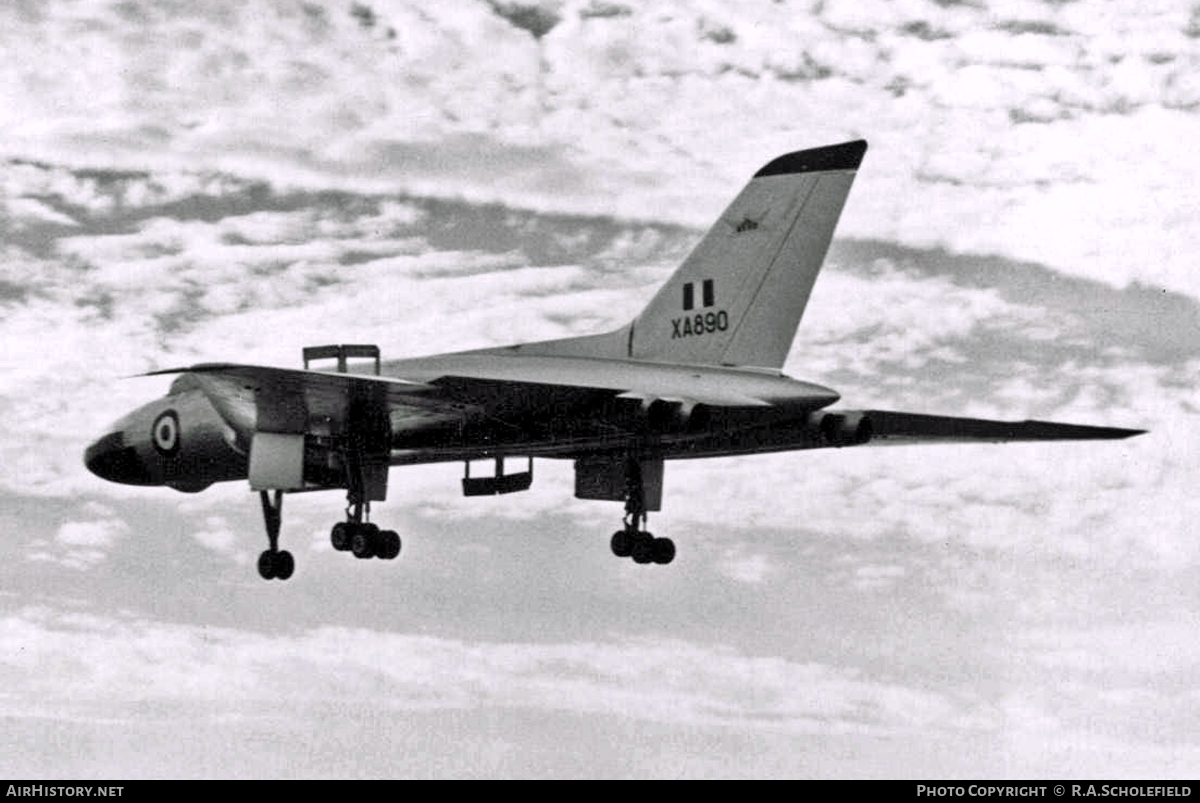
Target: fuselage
563,406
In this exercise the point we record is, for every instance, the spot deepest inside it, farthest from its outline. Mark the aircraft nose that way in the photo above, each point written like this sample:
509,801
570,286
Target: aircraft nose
109,458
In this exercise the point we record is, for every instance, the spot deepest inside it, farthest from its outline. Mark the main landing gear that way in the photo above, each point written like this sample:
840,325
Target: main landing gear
274,564
641,545
360,537
633,541
365,540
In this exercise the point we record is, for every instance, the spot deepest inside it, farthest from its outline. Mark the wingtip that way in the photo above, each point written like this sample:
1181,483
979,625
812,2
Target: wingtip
843,156
1083,432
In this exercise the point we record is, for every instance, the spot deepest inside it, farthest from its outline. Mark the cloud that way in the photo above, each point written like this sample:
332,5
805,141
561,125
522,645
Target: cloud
219,537
119,661
1104,687
23,212
871,577
80,544
746,568
89,533
1158,648
103,669
1035,133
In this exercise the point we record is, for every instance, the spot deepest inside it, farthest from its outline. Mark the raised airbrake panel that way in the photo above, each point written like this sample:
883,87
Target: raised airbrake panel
342,353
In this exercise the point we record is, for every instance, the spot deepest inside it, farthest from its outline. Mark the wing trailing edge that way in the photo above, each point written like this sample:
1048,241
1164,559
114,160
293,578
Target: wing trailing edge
888,426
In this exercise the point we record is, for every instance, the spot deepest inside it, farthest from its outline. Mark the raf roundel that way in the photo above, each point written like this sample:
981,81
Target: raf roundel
165,433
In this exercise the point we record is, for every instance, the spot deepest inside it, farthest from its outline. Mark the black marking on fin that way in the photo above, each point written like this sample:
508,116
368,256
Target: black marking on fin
846,156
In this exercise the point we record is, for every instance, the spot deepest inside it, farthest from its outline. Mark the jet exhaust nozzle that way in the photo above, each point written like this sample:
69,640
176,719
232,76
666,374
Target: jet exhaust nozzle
843,429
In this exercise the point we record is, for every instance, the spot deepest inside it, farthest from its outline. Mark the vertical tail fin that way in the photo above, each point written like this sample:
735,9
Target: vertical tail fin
738,297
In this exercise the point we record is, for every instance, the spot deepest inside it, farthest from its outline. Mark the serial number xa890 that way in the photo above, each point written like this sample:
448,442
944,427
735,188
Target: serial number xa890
699,324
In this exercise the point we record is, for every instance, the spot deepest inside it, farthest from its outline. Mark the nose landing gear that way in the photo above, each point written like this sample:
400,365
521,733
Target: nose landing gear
273,563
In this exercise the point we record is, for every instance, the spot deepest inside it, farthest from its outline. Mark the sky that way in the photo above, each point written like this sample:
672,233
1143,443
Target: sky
187,182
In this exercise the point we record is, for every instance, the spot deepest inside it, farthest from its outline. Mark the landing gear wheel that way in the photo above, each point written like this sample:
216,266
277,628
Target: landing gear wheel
365,540
339,536
362,543
266,565
274,565
622,544
387,544
284,565
643,548
663,551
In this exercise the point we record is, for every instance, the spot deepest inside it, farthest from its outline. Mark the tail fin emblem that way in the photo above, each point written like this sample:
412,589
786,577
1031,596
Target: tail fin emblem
689,294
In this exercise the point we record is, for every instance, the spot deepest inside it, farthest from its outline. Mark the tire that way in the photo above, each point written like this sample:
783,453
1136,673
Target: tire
643,548
339,536
362,544
266,565
387,544
284,565
621,544
663,551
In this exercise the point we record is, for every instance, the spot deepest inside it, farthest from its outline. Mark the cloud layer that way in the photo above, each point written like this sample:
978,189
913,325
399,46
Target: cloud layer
1038,130
110,673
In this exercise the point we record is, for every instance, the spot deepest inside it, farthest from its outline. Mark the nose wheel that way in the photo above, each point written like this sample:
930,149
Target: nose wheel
277,565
